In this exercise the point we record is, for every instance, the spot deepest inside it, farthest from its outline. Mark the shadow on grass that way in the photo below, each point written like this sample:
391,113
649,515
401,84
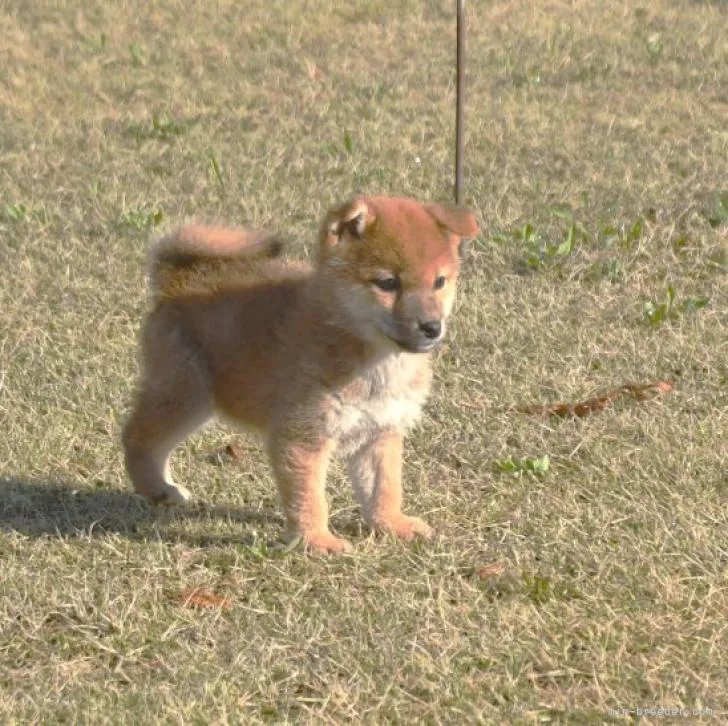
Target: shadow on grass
58,509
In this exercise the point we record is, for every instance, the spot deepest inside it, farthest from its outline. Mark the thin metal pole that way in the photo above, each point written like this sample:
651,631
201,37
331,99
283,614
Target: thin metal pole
460,101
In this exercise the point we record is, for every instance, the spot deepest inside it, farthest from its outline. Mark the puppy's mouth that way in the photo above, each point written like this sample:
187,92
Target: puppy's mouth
421,346
413,343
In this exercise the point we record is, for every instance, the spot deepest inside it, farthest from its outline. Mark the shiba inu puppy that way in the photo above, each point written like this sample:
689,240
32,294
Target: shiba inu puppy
323,358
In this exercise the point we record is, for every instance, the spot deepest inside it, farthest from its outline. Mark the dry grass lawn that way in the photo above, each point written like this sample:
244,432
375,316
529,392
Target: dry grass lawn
573,589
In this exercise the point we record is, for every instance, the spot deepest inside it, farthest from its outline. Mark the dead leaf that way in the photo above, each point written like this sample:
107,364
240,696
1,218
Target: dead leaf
198,597
491,571
218,457
232,452
639,392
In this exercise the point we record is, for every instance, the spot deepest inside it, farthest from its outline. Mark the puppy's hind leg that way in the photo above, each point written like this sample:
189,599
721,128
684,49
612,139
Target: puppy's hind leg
173,402
157,424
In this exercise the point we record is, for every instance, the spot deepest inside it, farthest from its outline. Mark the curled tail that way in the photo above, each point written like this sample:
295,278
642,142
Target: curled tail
200,258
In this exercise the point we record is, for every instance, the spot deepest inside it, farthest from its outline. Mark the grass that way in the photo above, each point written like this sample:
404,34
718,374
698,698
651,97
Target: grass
575,591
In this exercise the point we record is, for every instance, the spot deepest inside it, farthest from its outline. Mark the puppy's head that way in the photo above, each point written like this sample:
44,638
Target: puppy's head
394,263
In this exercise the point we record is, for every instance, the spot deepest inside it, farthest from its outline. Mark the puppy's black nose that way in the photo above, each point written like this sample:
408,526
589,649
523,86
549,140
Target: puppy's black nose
431,329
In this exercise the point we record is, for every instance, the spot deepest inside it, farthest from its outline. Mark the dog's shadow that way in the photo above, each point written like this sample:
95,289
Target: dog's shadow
59,509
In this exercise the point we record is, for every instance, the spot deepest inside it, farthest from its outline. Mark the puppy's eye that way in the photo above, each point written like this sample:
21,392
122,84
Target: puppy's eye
440,283
387,284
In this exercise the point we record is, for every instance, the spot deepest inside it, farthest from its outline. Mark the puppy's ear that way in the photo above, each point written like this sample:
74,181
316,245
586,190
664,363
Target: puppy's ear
351,218
458,220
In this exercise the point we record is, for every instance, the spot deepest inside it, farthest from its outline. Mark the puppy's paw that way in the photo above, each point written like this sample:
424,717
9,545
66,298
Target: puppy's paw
170,495
404,527
325,543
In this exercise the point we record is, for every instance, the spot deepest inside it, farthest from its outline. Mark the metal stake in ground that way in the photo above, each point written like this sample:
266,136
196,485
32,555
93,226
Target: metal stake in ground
459,100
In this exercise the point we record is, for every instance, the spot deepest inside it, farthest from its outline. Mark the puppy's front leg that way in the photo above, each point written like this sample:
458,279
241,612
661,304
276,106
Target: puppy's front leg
376,475
300,470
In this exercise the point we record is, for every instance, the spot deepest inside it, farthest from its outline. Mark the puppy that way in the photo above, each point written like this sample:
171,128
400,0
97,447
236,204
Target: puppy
322,358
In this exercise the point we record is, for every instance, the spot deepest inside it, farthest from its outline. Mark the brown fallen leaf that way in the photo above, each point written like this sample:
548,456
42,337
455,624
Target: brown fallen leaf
198,597
232,452
639,392
220,456
493,570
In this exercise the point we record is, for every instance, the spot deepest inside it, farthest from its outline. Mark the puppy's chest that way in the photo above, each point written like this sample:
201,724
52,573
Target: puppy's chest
388,396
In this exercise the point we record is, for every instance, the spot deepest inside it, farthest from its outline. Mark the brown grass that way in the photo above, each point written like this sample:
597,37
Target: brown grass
560,597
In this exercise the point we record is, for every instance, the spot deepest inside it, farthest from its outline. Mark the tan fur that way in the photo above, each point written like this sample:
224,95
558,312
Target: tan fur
320,360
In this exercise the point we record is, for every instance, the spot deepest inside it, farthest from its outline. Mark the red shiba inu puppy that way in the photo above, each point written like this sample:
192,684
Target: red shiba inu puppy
319,359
